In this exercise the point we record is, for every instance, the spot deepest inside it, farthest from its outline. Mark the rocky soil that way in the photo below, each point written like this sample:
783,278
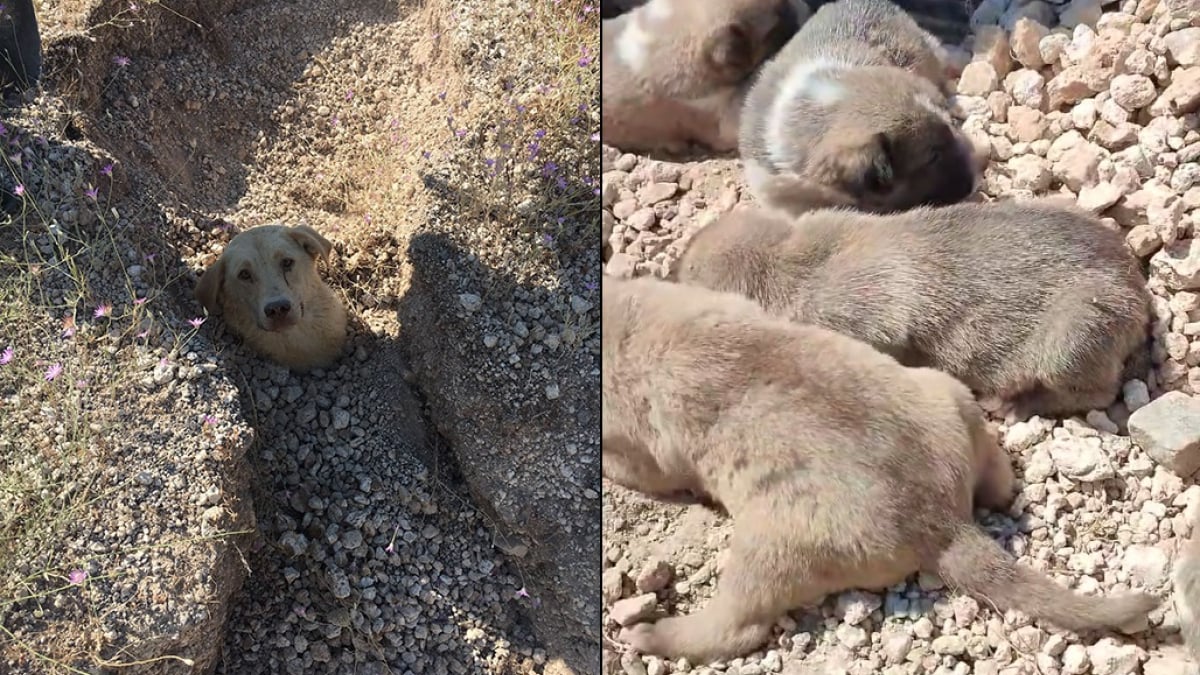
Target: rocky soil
428,504
1101,107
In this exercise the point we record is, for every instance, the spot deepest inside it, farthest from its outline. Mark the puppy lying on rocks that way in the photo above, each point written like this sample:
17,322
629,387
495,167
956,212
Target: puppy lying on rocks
840,467
1032,302
675,71
853,109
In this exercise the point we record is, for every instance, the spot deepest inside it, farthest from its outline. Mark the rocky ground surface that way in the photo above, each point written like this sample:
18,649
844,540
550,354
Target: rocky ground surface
1102,108
450,157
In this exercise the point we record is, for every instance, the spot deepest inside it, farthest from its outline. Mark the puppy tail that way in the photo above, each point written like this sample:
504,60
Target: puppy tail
1187,592
975,563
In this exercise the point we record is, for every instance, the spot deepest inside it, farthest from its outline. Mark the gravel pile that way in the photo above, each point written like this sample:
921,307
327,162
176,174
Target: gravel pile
379,547
125,445
1102,109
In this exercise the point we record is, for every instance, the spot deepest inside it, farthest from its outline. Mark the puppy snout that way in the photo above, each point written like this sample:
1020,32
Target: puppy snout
277,309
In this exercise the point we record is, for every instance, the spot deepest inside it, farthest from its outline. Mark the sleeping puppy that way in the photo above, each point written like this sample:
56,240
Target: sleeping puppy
676,71
1034,302
840,467
267,287
853,110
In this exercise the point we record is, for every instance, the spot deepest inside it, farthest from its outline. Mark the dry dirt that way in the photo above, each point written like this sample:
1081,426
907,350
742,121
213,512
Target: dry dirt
428,504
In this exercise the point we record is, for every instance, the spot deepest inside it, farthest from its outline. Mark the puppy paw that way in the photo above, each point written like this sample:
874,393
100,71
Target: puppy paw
644,638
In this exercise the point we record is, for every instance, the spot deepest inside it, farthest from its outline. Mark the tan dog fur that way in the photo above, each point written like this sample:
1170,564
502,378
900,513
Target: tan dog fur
675,71
853,111
263,269
1034,302
1186,580
840,467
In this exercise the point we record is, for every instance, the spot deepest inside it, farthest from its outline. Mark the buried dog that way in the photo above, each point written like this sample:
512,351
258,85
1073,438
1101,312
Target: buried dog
675,71
1032,302
840,467
853,111
267,287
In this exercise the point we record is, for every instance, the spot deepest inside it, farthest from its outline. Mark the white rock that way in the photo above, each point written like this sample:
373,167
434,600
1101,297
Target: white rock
1081,460
1168,429
1109,657
1149,566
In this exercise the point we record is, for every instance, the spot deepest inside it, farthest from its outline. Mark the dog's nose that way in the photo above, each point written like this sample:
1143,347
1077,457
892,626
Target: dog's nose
277,309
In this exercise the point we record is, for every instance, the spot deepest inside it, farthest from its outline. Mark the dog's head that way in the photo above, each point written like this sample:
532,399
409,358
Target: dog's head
891,144
746,33
264,276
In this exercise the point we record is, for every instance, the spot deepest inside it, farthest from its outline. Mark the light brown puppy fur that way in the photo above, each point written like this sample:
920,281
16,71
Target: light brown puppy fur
675,71
1034,302
1186,579
840,467
267,287
853,110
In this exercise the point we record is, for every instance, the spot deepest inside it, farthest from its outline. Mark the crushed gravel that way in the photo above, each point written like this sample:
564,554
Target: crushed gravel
1101,107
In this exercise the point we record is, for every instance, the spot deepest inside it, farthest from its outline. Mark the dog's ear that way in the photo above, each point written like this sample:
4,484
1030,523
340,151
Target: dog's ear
731,52
210,285
862,167
314,244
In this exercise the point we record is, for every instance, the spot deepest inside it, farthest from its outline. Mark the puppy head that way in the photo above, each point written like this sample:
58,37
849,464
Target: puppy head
891,144
748,33
734,252
264,276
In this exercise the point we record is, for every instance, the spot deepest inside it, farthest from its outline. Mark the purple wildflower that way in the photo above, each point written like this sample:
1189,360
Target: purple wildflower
6,356
121,61
53,372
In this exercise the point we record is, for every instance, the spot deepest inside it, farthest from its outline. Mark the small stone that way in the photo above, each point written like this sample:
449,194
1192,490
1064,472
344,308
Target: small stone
1183,46
1149,566
655,576
1025,124
979,78
1026,35
1080,460
1098,420
1029,172
1098,198
852,637
552,391
1182,96
351,539
1109,657
470,301
855,606
612,585
1168,429
340,418
657,192
1136,394
896,647
1132,92
641,220
1027,87
632,610
1075,660
952,645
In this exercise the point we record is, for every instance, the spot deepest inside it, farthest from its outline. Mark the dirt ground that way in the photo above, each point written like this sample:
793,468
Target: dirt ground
351,520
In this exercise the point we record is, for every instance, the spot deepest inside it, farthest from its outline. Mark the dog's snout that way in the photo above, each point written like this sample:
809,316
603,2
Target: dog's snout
277,309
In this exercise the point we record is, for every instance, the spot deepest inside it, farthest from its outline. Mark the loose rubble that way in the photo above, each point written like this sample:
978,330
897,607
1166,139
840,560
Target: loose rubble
1096,101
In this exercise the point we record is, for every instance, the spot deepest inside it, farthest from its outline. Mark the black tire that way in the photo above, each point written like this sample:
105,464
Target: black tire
20,46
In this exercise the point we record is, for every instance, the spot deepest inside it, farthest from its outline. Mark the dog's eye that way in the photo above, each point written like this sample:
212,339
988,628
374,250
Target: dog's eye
286,263
244,275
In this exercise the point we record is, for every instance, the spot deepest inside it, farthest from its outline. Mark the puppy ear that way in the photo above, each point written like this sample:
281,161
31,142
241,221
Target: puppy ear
314,244
210,285
731,52
859,168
